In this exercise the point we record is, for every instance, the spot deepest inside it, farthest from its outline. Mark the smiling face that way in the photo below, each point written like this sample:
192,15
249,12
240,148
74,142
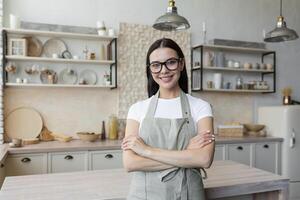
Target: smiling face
166,79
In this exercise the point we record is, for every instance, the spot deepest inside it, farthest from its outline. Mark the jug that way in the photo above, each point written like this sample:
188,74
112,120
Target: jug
219,59
208,59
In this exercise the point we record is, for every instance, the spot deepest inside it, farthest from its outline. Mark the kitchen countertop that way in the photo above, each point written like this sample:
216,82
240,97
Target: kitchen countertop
225,179
78,145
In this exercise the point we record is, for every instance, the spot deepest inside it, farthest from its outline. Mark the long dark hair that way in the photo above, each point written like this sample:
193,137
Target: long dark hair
167,43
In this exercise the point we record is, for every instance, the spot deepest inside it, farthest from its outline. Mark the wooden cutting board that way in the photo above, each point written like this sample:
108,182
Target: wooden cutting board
23,123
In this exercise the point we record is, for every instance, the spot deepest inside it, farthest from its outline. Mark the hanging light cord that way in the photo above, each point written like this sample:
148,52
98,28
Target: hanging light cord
280,7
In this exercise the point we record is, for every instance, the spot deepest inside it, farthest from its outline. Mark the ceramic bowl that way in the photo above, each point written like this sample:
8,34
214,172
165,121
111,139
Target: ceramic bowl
254,127
86,136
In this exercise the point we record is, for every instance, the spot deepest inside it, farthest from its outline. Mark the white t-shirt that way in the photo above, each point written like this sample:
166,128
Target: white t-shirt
170,108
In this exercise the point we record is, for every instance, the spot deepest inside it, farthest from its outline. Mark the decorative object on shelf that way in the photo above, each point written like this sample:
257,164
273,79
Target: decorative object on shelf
219,59
111,32
14,21
48,76
25,80
230,63
269,66
204,32
29,122
88,77
68,76
236,64
210,84
255,130
247,65
11,67
208,59
262,66
34,46
17,47
34,69
237,43
54,46
281,33
18,80
286,92
227,85
75,57
67,54
171,21
85,53
218,80
113,127
239,82
231,130
101,29
87,136
92,56
45,135
106,78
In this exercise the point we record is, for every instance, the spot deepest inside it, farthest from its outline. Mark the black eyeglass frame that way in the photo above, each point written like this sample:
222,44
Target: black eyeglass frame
165,64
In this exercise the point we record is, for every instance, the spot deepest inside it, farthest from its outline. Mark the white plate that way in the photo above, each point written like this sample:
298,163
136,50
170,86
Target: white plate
89,76
23,123
68,76
54,46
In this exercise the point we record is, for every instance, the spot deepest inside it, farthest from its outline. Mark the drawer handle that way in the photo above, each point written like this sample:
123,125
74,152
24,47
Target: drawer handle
108,156
239,148
69,157
2,165
25,160
266,146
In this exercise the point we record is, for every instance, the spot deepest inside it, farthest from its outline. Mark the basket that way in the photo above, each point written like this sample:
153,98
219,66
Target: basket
231,130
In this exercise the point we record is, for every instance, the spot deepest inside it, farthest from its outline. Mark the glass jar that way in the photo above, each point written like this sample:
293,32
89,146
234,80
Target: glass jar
113,128
239,83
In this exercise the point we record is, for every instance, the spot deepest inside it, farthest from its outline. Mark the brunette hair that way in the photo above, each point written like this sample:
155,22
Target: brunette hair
165,43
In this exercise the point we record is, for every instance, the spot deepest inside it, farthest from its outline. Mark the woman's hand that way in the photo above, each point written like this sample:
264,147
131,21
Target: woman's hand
136,144
200,140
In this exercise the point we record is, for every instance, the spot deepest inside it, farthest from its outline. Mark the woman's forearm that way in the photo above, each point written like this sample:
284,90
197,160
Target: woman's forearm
189,158
133,162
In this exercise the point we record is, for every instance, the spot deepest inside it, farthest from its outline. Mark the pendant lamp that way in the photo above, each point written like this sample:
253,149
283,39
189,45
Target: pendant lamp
171,21
281,32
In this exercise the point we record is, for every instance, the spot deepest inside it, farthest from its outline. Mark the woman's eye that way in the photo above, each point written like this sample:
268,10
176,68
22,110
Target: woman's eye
171,62
155,65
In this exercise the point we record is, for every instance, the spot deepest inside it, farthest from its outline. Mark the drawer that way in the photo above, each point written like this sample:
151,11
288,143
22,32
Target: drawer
219,152
67,162
240,153
265,156
105,159
25,164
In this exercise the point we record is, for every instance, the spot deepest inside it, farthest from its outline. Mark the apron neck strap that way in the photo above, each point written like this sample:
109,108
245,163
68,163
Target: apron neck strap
185,106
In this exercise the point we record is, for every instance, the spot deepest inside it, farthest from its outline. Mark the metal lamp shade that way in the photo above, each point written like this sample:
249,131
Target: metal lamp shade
281,33
171,22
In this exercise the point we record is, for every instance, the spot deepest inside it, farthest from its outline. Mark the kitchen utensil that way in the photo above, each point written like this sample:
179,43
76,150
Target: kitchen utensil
23,123
86,136
54,46
68,76
30,141
34,46
88,76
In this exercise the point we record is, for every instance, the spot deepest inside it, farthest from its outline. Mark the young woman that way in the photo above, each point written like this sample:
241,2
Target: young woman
169,136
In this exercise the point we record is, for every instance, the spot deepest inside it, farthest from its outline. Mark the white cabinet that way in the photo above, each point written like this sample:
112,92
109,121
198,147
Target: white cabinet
24,164
105,159
220,152
2,173
266,157
67,161
240,153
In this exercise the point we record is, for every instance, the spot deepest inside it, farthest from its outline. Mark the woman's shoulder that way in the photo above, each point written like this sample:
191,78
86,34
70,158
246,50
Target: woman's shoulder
138,109
141,103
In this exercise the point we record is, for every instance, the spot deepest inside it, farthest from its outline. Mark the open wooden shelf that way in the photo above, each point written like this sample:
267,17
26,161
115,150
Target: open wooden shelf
55,85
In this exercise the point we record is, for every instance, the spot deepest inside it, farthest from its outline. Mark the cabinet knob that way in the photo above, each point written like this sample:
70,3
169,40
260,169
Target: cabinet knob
25,160
266,146
240,148
68,157
108,156
1,165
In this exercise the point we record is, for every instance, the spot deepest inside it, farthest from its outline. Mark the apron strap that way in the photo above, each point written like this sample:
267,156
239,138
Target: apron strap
185,106
152,106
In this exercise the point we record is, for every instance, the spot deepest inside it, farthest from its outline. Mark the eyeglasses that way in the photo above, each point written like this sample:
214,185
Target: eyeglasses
171,64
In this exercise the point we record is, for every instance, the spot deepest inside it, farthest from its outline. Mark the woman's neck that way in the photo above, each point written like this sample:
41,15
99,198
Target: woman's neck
169,93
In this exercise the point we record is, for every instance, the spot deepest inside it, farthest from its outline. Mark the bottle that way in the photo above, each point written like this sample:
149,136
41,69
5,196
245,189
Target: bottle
113,128
103,132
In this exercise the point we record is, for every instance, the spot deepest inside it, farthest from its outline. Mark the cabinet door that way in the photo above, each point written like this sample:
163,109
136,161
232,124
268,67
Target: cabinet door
25,164
105,160
240,153
265,156
2,174
67,162
219,152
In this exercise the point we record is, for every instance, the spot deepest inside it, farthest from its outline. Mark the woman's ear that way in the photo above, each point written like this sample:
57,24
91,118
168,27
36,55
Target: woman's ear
181,64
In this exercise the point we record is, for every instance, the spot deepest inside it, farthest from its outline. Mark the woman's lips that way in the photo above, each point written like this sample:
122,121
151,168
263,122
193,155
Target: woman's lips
166,78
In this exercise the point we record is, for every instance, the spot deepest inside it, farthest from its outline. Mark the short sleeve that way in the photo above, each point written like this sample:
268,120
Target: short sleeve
134,112
203,110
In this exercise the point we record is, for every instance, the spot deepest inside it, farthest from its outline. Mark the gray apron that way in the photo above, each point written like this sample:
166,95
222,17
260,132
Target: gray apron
172,134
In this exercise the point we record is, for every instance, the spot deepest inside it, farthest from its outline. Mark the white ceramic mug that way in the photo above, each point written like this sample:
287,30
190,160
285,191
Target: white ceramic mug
14,21
218,80
55,55
111,32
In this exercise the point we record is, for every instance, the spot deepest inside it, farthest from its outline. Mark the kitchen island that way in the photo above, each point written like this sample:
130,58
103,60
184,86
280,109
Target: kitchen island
226,180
